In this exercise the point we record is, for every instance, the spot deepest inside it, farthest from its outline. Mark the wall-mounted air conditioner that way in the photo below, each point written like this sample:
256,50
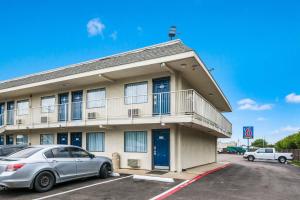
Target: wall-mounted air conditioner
133,163
92,115
44,120
133,112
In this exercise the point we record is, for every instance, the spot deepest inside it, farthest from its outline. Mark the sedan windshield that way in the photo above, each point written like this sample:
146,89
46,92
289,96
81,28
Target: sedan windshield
25,153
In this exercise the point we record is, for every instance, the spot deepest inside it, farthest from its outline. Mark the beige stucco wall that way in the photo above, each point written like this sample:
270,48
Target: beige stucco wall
197,148
114,142
114,91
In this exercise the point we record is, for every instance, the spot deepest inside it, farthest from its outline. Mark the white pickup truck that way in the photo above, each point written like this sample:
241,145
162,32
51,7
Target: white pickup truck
268,154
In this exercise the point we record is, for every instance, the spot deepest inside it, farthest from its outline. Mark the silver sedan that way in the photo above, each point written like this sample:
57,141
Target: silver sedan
41,167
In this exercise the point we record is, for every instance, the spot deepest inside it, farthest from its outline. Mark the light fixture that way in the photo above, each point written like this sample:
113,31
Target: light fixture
100,126
183,65
163,124
162,65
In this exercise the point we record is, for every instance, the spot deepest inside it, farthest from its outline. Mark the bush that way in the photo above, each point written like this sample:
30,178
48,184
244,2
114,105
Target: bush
289,142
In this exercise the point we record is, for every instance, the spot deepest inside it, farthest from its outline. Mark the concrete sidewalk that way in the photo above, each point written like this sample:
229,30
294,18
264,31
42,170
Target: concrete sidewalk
185,175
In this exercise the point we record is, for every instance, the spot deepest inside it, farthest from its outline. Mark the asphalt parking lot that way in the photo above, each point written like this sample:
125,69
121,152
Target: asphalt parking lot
242,180
123,187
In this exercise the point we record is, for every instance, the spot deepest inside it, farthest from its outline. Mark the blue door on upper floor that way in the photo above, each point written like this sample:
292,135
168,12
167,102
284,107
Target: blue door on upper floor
161,96
10,113
161,148
62,138
76,139
63,107
77,105
2,114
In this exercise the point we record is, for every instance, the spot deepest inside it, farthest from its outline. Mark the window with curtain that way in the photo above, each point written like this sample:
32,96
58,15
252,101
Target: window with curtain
95,142
22,139
47,139
23,107
96,98
136,141
136,93
48,104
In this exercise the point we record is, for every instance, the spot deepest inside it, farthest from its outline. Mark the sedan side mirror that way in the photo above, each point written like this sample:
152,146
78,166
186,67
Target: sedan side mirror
92,156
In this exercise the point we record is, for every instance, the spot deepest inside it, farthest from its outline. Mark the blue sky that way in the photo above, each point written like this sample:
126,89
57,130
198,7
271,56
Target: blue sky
253,45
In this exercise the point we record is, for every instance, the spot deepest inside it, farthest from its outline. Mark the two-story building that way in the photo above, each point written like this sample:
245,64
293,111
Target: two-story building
158,107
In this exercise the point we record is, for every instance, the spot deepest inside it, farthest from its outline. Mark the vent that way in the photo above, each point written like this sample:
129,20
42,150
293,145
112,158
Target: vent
133,112
44,120
92,115
133,163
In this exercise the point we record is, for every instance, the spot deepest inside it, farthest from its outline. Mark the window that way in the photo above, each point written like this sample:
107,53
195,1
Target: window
49,154
136,141
25,153
23,107
269,150
261,151
48,104
95,98
47,139
61,153
79,153
22,139
136,93
95,142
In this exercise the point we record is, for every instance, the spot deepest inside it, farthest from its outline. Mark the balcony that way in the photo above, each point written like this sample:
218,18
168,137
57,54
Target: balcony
185,107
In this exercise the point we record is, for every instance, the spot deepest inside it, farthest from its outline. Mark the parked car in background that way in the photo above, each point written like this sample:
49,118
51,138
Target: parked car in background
235,150
6,150
41,167
268,154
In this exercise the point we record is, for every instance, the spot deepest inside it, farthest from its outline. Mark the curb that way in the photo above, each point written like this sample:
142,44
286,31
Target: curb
186,183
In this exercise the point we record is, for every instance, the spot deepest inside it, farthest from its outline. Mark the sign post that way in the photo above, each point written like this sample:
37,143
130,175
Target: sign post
248,132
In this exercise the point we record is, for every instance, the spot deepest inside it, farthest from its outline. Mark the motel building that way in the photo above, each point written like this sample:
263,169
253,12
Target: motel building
158,107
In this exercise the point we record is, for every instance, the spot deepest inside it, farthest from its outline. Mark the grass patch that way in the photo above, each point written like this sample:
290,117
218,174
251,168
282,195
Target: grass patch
295,162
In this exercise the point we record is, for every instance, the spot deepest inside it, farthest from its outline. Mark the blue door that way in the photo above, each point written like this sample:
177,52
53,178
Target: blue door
63,104
9,139
62,138
2,114
1,140
77,105
161,148
10,113
76,139
161,96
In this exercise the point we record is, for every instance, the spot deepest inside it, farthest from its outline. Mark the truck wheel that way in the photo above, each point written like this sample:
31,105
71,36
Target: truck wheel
251,158
282,160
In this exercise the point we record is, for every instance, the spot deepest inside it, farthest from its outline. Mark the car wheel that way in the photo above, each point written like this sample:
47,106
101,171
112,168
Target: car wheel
251,158
44,182
104,171
282,160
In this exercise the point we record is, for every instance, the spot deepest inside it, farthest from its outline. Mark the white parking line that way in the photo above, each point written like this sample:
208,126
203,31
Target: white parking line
80,188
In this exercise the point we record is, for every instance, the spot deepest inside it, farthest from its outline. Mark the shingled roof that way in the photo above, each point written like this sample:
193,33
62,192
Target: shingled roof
147,53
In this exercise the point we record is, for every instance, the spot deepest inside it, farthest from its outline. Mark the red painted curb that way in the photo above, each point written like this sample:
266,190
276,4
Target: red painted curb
198,177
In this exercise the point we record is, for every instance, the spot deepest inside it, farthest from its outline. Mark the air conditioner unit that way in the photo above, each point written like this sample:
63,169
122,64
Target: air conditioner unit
133,163
19,121
133,112
92,115
44,120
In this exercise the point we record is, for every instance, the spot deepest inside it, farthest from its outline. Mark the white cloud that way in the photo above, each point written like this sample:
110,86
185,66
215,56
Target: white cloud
95,27
287,129
261,119
114,35
250,104
292,98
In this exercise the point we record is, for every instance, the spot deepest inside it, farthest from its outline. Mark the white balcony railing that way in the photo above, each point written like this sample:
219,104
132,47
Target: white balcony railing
177,103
